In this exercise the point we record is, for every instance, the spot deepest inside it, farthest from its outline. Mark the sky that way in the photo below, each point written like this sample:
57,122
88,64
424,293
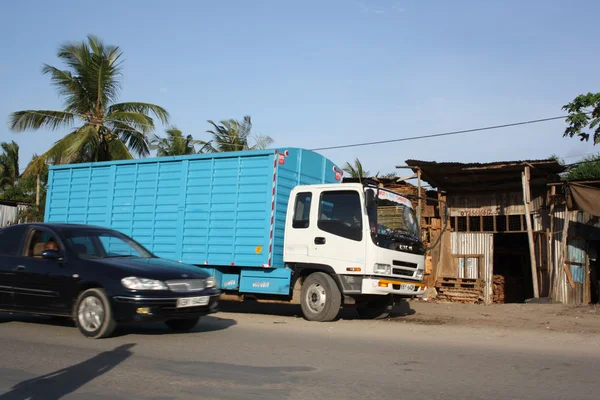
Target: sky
319,73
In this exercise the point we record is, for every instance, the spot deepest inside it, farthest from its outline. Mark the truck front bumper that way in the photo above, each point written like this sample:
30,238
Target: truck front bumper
386,285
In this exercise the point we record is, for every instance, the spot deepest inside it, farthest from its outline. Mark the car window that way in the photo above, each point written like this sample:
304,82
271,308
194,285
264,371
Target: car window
39,242
95,243
85,246
10,240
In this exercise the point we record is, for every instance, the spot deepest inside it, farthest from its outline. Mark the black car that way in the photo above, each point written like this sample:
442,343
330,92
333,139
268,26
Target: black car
99,277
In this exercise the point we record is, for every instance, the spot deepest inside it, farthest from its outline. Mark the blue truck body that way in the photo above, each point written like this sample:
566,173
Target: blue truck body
225,212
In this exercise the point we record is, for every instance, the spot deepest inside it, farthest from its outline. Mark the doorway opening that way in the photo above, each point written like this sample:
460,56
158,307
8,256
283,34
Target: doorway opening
512,268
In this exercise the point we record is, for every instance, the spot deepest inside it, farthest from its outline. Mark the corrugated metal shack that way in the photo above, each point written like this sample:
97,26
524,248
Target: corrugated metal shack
496,246
9,212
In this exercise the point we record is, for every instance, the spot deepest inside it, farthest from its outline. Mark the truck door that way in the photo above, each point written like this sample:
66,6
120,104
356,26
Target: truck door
338,234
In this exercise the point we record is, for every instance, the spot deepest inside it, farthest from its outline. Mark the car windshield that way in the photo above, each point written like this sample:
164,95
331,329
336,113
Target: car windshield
104,244
393,216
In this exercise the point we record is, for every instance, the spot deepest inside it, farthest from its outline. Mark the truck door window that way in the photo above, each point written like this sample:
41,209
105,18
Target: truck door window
302,211
340,214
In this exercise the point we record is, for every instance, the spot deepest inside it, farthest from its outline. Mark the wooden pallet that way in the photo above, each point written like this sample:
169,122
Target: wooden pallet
464,283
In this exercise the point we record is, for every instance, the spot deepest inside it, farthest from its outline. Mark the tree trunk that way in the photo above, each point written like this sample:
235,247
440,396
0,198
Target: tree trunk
37,191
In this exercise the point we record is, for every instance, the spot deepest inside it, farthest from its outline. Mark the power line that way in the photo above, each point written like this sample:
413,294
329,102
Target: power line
487,128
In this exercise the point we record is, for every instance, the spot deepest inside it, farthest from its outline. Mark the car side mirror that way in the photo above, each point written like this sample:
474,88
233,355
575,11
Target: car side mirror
51,255
369,198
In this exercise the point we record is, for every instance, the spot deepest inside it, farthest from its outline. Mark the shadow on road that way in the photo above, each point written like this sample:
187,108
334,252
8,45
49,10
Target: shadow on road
401,309
60,383
206,324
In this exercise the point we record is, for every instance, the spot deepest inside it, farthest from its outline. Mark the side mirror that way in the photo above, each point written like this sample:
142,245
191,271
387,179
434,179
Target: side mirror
369,198
51,255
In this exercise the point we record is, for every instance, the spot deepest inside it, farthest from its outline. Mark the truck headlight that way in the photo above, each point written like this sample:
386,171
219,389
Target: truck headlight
382,269
210,282
135,283
419,274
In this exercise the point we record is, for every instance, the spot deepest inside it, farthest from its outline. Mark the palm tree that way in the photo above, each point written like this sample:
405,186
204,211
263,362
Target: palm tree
104,130
9,164
174,144
356,170
232,135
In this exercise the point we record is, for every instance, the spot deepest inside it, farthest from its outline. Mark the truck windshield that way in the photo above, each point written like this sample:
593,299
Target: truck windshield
392,219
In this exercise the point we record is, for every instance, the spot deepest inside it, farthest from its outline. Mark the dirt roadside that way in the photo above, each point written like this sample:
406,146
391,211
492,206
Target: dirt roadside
536,317
546,317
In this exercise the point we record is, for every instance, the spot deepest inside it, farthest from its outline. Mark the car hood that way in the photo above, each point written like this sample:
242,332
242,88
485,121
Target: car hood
155,268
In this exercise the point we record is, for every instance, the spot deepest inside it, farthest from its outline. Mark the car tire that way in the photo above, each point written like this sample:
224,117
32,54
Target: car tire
182,325
378,308
93,314
321,298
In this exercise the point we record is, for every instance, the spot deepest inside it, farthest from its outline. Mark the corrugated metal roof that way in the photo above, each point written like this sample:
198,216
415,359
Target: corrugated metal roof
494,176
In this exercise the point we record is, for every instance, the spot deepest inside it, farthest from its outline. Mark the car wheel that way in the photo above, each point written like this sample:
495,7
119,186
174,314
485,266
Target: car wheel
182,325
379,308
93,314
321,299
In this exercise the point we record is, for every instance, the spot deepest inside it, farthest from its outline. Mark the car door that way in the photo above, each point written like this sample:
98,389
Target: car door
10,245
40,284
339,235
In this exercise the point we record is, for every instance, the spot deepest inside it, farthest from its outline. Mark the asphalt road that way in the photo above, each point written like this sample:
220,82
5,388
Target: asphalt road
245,355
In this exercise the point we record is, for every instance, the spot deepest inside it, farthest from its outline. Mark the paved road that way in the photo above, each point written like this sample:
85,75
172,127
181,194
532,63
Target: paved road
245,356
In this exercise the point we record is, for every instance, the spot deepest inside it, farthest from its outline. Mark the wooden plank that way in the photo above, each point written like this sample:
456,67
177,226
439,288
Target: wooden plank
569,276
565,250
527,198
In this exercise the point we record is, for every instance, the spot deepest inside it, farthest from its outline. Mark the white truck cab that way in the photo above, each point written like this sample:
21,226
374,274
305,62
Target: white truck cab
364,238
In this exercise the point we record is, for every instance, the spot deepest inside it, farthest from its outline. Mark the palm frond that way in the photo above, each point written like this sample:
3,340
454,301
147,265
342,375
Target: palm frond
35,119
262,142
77,98
118,150
142,108
138,121
135,140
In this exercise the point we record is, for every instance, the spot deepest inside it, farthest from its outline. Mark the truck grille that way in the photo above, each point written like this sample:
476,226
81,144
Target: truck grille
398,271
188,285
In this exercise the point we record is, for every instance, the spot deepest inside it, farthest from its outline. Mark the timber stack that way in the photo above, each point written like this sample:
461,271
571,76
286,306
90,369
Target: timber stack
498,289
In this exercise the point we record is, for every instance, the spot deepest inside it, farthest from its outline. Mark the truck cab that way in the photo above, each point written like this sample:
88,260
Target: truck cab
365,238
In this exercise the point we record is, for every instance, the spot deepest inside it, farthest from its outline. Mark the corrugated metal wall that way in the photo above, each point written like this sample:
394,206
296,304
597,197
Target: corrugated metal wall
9,214
463,243
574,249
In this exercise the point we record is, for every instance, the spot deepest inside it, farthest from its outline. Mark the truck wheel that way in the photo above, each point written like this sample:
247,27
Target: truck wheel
321,299
93,315
182,325
379,308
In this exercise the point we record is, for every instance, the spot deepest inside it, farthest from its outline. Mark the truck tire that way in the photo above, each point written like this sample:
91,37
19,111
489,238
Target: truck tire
378,308
93,314
182,325
321,299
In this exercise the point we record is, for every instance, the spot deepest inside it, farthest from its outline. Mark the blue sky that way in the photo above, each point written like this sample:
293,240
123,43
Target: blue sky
320,73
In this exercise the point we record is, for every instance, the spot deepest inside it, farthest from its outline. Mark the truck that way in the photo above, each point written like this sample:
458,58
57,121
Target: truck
270,225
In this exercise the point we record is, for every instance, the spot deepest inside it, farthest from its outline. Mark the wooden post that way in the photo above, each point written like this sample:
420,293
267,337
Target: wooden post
551,274
526,201
419,194
37,191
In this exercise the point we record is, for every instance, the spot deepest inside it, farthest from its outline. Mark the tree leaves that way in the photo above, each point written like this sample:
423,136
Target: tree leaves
584,112
89,86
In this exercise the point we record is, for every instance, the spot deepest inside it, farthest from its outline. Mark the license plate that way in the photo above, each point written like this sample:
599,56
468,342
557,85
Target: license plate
406,286
192,301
